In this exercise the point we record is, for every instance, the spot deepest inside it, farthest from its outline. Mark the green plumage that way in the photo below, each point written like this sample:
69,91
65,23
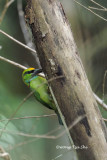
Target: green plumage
39,85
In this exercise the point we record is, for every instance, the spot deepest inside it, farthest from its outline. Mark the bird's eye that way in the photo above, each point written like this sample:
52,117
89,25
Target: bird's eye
31,71
28,72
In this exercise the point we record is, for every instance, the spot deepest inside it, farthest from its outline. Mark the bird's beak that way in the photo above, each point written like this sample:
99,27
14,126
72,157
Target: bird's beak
36,72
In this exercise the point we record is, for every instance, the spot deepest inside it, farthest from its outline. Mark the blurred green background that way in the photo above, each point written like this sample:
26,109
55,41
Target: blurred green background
90,33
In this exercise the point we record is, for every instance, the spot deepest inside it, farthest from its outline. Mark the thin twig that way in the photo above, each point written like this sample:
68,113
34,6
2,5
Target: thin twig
9,3
90,10
27,135
18,42
104,79
17,65
61,116
76,121
104,119
98,4
16,111
99,9
100,102
63,154
32,140
4,155
5,9
13,63
29,117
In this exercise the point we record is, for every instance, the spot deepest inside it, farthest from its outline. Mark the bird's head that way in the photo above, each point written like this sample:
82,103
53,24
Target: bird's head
29,74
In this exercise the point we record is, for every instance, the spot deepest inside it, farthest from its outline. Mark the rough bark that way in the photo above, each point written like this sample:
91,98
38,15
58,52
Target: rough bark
58,56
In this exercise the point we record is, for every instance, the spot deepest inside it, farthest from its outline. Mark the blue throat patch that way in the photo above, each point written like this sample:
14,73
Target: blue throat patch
27,81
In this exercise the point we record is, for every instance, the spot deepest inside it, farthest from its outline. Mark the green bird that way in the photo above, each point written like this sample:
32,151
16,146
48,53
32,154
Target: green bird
39,85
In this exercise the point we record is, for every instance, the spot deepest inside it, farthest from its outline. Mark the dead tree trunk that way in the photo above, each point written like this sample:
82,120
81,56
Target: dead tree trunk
58,56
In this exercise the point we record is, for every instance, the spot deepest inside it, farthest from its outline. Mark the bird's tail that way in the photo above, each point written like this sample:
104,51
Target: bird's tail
59,118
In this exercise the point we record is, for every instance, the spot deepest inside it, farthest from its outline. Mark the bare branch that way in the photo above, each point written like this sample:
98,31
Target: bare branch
98,4
29,117
32,140
76,121
90,10
18,42
13,63
4,154
99,9
100,102
104,119
104,80
5,9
